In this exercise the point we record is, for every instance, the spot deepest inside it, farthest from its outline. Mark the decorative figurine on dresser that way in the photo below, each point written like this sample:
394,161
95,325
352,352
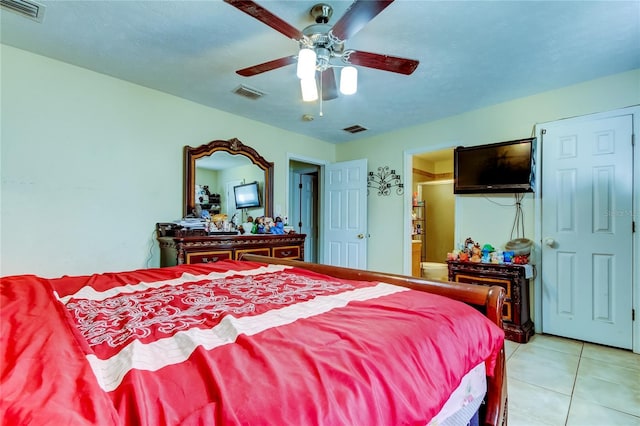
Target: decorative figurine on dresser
491,267
226,185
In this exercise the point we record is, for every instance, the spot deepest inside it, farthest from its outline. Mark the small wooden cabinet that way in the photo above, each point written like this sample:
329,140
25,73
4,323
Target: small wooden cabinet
180,246
517,323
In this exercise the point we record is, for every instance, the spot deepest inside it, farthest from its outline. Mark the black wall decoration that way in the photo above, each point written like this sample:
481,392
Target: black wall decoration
383,180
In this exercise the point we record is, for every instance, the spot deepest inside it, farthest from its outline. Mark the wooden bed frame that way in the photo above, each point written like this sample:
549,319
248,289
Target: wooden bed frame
489,300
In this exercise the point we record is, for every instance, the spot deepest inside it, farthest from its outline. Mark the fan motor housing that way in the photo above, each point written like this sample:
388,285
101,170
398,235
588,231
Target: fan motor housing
317,36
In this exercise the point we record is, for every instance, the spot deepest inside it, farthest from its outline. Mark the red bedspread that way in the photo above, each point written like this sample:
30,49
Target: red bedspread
232,343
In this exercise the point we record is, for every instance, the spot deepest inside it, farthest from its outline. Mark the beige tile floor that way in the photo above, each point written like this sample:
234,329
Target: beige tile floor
556,381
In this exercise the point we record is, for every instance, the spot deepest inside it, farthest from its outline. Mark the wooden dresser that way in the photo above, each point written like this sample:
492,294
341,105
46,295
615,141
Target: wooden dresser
179,246
517,323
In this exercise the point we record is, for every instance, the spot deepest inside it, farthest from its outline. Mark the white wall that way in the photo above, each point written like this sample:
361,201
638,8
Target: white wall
90,163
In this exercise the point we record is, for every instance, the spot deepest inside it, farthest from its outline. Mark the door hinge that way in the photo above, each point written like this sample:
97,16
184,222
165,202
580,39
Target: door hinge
633,226
300,185
633,139
633,315
544,131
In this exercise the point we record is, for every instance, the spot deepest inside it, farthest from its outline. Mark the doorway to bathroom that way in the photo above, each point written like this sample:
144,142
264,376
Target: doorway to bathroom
432,186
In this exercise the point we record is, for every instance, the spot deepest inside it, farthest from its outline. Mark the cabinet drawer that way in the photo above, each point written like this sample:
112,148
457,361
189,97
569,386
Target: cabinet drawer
287,252
262,251
207,256
507,314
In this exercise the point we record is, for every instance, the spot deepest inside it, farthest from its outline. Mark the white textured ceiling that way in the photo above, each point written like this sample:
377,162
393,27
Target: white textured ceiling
472,54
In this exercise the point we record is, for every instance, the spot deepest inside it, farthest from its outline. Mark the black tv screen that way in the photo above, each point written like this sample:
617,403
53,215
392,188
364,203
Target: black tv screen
499,167
247,195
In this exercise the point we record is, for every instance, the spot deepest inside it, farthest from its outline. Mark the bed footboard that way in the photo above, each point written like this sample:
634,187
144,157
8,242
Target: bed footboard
488,299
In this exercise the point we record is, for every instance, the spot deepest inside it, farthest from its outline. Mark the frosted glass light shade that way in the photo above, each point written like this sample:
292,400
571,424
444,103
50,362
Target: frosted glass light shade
309,89
306,64
348,80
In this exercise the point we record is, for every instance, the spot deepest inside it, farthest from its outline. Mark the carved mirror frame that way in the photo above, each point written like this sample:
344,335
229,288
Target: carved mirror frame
234,147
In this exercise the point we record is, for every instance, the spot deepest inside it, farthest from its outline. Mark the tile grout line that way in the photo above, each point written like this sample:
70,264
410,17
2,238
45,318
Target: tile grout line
575,380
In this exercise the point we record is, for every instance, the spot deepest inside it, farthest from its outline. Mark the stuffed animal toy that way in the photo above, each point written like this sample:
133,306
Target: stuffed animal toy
258,226
218,220
278,227
476,253
268,223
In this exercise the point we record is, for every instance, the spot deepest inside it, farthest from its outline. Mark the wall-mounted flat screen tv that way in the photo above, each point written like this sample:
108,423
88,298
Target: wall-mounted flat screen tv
498,167
247,195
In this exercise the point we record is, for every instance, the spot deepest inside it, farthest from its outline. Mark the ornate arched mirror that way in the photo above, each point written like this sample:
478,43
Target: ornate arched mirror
220,165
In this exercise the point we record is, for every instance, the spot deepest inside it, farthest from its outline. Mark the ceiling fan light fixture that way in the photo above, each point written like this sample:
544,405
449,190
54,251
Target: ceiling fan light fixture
348,80
309,89
306,64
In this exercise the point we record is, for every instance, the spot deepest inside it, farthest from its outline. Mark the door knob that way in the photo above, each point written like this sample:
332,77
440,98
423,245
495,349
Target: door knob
360,236
550,242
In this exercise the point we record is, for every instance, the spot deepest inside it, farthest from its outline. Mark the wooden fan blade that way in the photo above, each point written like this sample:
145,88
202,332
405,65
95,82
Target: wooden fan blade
382,62
357,16
263,15
329,87
267,66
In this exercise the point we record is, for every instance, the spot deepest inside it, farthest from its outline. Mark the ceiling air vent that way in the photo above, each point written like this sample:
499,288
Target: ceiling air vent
248,92
354,129
28,9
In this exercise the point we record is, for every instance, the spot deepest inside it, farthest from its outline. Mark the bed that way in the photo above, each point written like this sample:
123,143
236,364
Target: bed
250,342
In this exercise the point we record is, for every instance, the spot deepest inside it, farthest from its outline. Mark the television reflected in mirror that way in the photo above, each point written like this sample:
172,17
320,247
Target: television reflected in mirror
495,168
247,195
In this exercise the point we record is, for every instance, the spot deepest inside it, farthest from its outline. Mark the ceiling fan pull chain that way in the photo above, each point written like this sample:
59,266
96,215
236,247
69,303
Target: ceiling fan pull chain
321,96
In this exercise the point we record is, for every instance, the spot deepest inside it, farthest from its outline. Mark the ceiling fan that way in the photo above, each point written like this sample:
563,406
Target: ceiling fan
326,43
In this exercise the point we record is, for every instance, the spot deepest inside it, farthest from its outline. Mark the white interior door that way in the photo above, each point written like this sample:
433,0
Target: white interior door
587,261
345,214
